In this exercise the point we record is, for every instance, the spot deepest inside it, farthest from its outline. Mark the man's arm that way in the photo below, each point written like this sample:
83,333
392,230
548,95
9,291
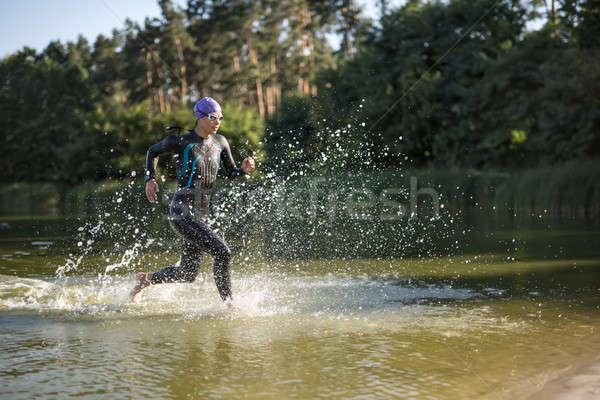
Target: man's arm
227,160
168,144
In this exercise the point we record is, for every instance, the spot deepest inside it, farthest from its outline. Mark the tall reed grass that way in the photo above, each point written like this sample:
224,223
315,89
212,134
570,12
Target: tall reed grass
566,191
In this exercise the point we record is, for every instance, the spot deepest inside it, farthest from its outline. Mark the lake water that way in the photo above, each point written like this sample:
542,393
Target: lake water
495,320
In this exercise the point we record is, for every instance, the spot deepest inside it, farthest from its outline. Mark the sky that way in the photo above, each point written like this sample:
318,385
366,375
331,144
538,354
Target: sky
35,23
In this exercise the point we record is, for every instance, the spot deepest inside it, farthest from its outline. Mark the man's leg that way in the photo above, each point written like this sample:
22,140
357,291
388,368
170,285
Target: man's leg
204,238
187,271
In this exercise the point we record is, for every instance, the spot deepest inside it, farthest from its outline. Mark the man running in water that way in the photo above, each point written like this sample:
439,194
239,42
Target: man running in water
198,155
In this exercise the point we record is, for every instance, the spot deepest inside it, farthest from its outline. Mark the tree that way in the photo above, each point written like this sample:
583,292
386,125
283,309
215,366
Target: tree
44,101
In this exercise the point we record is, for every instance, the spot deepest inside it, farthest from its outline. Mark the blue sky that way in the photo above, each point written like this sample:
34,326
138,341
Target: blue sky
35,23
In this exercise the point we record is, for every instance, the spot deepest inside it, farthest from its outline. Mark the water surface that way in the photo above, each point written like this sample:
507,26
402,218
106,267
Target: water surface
491,322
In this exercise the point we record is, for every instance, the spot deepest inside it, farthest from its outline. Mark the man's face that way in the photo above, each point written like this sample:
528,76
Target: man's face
211,123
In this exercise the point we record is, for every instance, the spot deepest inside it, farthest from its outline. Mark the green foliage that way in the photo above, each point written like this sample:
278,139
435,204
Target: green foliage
518,136
456,97
43,104
453,84
244,130
289,133
420,96
99,107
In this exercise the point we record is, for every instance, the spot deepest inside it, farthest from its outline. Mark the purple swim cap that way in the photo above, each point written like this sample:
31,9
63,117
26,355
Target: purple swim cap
205,106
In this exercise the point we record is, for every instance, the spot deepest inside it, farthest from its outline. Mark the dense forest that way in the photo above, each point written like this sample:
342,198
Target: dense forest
448,84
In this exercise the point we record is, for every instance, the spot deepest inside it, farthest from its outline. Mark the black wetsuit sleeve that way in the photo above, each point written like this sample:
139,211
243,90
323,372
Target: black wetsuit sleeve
228,163
170,144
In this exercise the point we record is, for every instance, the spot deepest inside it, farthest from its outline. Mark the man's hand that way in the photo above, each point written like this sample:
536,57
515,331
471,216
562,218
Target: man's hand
248,165
151,190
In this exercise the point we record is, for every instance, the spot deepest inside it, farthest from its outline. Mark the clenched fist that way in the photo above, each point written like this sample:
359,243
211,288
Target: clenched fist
151,190
248,165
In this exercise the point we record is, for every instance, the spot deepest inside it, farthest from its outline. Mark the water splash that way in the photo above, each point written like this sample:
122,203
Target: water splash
321,200
259,294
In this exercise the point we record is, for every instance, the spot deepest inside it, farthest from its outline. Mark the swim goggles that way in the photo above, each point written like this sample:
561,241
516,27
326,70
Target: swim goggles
214,117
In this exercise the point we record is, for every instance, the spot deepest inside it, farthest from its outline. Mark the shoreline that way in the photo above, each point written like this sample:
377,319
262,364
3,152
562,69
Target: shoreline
579,382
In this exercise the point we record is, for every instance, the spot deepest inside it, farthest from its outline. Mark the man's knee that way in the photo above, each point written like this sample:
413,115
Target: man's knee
190,272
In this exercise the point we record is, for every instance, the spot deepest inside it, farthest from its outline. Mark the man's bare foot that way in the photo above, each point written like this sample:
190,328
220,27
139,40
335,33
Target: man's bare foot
229,304
143,280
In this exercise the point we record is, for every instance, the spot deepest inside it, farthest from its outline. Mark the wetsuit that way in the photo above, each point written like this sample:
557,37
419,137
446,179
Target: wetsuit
197,162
